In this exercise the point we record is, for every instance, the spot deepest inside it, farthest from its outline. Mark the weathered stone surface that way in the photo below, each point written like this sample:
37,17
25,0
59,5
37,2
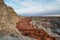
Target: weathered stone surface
50,24
28,29
38,34
8,19
15,37
14,18
24,24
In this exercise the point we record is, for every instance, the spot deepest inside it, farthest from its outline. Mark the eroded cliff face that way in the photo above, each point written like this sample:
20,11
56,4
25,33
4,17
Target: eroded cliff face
8,19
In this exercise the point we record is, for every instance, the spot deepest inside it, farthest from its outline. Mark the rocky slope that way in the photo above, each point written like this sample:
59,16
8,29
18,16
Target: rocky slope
15,37
8,20
50,24
14,27
27,28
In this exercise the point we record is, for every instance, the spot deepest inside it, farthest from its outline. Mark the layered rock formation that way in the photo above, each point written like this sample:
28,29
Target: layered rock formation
24,24
8,19
13,27
28,28
38,34
50,24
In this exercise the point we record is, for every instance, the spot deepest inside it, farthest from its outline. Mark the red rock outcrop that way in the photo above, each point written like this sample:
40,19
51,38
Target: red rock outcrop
39,34
27,29
24,24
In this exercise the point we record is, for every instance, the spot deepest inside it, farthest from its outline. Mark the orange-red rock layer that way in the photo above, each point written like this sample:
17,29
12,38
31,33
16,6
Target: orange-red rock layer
39,34
28,30
24,24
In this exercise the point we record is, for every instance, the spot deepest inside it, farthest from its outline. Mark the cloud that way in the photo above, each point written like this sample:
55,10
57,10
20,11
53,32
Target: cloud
33,6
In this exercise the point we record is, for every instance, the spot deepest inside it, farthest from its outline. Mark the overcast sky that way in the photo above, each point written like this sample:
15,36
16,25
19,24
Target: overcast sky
33,6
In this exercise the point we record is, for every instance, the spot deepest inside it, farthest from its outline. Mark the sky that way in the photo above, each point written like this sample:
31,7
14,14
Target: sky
33,7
